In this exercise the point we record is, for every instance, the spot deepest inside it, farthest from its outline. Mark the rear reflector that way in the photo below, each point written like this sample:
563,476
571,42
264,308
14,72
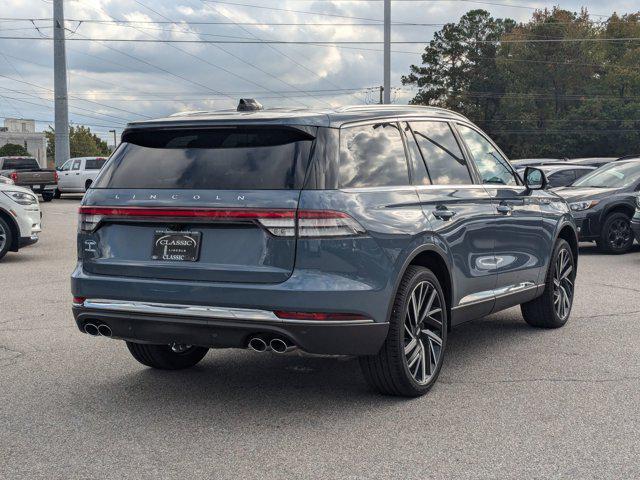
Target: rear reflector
318,316
78,300
279,222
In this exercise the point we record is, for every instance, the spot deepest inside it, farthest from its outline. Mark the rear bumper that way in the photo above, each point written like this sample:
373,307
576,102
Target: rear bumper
26,241
230,328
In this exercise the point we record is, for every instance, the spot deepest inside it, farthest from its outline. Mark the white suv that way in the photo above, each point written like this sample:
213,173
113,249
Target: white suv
19,218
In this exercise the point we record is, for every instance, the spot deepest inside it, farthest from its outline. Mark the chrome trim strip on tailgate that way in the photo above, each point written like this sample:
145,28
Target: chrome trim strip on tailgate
227,313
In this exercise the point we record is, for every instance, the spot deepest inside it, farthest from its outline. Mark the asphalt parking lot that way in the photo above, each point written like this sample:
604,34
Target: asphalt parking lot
511,402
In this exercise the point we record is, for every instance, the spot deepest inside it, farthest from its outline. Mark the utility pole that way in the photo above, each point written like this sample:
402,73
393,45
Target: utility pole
115,144
387,51
62,152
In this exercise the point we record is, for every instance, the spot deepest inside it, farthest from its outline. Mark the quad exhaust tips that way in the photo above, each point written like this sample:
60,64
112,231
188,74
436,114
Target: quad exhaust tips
280,345
104,330
257,344
97,330
91,329
276,345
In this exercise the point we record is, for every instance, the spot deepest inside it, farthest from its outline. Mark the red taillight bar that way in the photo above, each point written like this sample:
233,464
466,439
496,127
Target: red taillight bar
318,316
187,212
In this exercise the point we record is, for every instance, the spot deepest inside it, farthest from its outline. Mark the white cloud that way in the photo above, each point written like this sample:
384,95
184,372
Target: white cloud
110,74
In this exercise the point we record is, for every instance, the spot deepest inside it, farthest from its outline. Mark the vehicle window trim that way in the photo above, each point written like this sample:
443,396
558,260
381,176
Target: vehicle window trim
515,174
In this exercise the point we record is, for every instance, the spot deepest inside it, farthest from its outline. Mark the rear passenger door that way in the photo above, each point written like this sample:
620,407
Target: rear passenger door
521,245
460,213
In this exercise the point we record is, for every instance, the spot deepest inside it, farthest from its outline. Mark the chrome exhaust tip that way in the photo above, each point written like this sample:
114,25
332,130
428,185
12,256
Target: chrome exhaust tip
91,329
257,344
279,345
104,330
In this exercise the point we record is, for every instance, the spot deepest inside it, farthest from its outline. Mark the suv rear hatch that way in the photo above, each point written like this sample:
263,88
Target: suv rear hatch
203,204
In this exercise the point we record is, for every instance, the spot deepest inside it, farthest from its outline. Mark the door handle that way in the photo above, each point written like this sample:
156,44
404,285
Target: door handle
78,173
504,209
443,213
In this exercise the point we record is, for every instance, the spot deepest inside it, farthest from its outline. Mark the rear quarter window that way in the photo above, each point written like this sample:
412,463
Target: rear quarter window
372,156
225,158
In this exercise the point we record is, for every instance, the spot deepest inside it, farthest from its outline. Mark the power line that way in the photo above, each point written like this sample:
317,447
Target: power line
265,72
280,52
322,42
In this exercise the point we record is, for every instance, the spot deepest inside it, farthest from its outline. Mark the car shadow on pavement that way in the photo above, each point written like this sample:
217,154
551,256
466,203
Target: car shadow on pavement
592,249
237,382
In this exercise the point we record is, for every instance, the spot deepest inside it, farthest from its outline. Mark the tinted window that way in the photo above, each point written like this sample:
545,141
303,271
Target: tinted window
441,153
20,164
493,167
372,156
561,178
94,163
219,158
612,175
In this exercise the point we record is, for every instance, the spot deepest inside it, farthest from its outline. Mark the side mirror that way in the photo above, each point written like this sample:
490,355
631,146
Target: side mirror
535,179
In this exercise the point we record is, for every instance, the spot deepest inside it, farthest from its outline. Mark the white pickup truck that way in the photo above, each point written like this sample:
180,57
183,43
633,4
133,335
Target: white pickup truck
77,174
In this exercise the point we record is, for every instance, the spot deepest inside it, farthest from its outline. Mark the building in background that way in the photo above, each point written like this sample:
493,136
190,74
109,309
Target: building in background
21,131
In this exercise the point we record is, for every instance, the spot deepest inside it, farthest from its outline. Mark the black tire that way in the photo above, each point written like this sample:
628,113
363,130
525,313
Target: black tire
47,196
541,312
6,238
388,371
164,358
616,236
57,194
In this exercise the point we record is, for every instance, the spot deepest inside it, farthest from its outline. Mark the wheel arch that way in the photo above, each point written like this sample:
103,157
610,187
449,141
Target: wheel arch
568,233
15,231
431,257
625,208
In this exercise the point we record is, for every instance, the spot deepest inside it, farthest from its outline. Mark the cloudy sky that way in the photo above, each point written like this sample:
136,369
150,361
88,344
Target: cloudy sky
111,82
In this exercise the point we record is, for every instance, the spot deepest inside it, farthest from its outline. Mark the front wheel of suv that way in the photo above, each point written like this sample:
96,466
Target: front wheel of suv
616,236
553,307
167,357
410,359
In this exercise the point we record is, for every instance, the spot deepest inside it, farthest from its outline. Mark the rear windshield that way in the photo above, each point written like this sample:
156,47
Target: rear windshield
226,158
20,164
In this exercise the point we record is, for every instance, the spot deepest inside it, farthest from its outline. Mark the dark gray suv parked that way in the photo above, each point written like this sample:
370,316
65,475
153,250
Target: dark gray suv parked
366,231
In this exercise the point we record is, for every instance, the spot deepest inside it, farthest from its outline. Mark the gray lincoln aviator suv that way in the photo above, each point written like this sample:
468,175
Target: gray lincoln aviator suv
366,231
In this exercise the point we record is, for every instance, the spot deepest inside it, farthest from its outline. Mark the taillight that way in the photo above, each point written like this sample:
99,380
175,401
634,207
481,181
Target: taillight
55,177
278,222
314,223
14,176
78,301
327,223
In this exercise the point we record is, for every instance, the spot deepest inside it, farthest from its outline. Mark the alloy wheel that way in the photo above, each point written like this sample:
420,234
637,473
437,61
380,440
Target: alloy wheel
3,238
619,233
563,284
423,332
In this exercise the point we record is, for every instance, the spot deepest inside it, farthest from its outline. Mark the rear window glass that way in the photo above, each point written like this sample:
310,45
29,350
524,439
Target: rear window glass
20,164
94,163
228,158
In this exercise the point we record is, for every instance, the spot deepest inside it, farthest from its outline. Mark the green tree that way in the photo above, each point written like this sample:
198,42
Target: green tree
554,86
82,142
459,66
12,149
